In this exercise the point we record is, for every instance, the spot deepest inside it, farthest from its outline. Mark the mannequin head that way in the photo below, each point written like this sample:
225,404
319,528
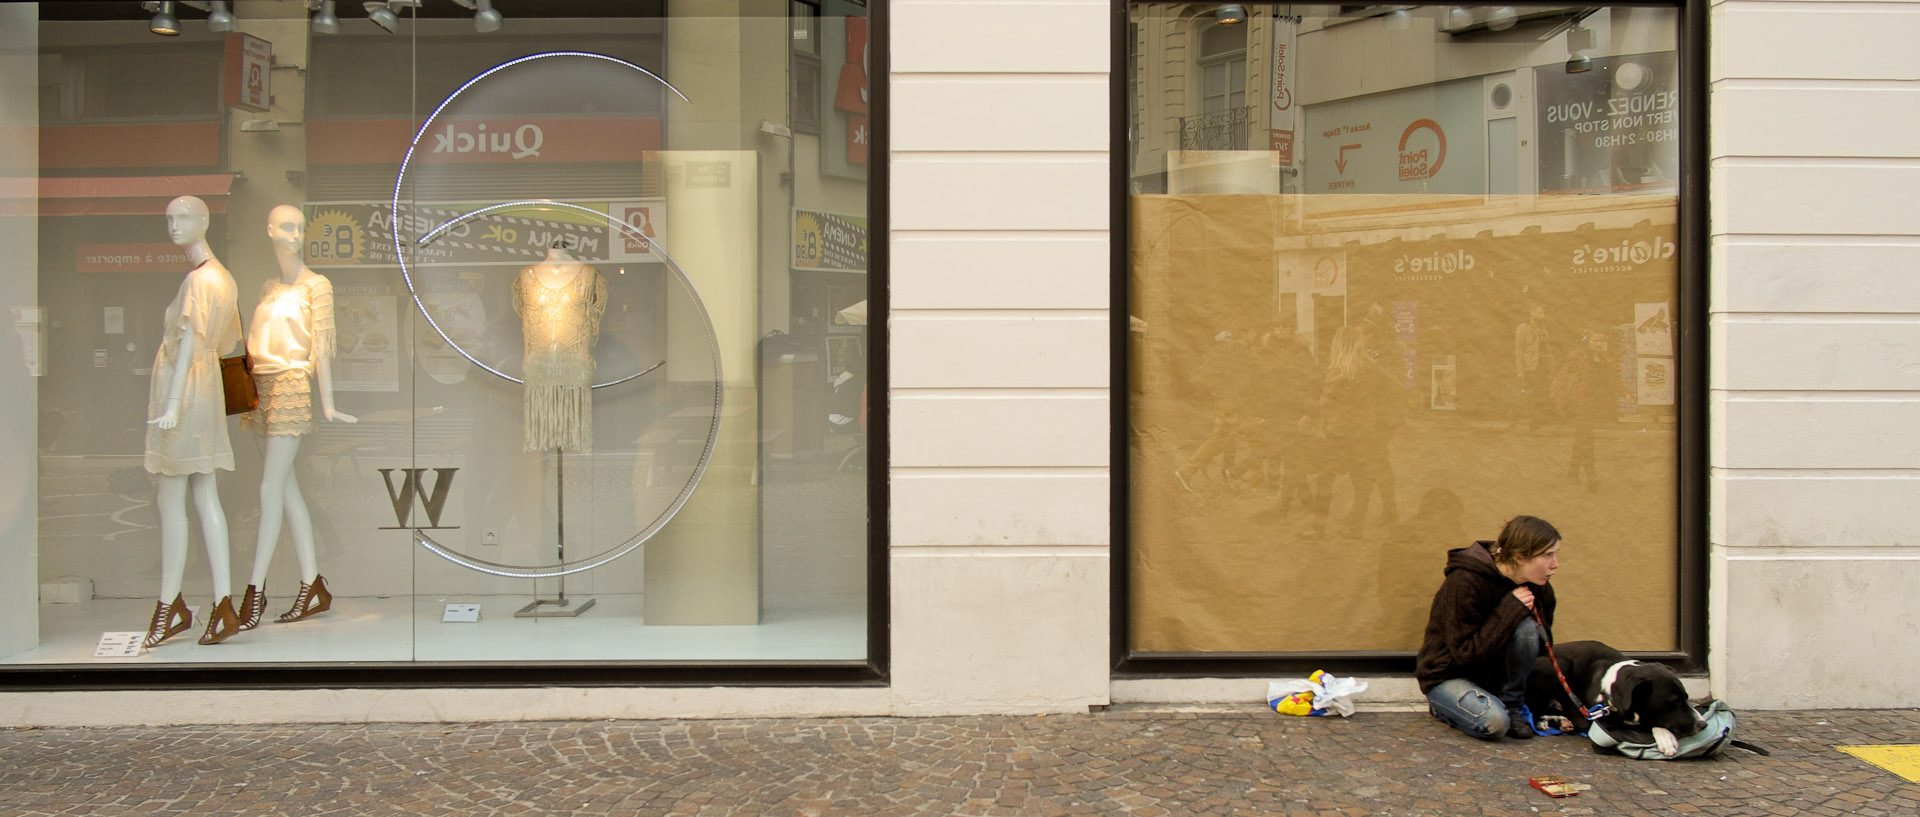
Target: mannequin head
187,219
287,228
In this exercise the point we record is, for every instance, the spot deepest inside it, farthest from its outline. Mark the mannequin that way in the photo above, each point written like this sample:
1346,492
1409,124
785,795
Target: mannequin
560,301
187,437
291,339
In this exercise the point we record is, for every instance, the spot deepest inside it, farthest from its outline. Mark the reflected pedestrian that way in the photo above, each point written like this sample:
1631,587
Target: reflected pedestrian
1584,392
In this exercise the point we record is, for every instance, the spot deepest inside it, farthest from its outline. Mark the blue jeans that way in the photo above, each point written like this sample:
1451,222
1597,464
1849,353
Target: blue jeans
1467,706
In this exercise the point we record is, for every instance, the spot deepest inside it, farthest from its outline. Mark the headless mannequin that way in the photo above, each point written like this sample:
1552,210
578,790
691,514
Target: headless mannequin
187,220
559,267
279,489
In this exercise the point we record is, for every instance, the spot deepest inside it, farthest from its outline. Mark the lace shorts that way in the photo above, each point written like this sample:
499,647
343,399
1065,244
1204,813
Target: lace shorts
286,405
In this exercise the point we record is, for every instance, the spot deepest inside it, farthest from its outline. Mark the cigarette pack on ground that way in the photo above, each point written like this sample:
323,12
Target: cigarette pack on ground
1558,786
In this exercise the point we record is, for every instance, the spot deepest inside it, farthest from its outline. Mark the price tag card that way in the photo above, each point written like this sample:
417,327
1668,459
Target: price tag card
461,612
118,645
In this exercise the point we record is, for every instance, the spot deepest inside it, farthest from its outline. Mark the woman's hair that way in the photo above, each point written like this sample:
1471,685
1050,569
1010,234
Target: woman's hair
1523,538
1346,358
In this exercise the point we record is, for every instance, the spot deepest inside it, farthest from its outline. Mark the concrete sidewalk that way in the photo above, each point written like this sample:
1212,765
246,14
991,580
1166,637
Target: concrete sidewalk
1122,761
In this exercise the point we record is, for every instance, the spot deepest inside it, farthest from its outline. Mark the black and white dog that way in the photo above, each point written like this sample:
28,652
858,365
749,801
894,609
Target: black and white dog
1636,693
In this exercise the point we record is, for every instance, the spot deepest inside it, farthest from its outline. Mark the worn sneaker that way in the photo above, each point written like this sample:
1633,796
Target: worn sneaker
1517,726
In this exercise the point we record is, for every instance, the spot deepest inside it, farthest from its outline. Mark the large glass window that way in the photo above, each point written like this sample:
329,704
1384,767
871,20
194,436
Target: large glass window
557,328
1432,286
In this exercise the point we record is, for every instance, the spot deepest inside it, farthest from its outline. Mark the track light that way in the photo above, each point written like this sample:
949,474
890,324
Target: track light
1458,18
219,20
323,20
486,20
382,15
1502,18
1399,20
163,22
1579,40
1231,14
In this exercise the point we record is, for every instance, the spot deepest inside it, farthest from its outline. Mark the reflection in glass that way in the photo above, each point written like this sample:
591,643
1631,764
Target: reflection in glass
1399,302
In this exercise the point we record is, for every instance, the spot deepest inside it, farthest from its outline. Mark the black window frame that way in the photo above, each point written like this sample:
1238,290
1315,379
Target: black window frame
1691,489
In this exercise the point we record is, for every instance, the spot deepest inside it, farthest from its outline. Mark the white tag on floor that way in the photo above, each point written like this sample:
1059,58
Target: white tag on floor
462,612
118,645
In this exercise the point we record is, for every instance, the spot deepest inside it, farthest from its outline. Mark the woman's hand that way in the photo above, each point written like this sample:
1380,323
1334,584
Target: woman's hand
1525,595
341,417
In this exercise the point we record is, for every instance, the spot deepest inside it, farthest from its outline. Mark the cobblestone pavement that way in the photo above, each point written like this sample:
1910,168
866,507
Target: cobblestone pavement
1122,761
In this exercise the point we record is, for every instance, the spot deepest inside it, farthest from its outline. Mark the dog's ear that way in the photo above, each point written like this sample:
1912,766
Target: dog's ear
1629,694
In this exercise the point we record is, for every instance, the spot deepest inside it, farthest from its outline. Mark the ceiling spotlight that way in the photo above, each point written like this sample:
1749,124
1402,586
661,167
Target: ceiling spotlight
1231,14
382,15
164,23
486,20
323,20
1399,20
1579,41
1458,18
1502,18
219,19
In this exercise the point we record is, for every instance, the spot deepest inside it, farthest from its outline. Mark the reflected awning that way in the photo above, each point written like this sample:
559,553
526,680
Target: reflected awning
129,195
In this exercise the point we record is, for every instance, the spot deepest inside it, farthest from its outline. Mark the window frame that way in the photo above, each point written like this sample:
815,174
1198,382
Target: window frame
1691,489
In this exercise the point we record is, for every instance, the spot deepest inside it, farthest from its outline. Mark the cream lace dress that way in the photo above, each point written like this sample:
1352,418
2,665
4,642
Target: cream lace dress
292,331
207,304
561,323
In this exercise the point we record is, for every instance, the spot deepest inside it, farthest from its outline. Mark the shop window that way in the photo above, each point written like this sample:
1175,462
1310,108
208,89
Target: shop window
529,391
1439,287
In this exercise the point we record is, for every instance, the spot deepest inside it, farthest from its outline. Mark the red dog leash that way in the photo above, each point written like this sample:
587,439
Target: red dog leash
1593,713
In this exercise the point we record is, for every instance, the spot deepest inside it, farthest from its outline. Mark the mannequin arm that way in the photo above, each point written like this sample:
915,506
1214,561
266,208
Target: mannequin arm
324,369
177,387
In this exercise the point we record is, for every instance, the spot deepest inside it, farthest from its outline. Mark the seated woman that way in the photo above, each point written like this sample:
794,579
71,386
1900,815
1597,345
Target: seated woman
1482,634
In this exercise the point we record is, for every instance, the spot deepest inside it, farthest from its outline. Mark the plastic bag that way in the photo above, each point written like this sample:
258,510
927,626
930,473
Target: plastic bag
1318,694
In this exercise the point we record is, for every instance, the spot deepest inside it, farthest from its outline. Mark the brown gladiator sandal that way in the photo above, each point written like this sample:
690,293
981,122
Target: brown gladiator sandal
168,620
222,623
313,599
252,606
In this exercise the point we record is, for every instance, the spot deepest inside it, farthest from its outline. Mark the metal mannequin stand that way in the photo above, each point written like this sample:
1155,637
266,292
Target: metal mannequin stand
559,606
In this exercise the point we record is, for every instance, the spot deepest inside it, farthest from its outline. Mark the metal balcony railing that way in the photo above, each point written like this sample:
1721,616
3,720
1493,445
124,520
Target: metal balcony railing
1219,130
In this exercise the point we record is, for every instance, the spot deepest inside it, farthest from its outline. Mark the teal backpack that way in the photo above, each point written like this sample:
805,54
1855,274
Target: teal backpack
1637,742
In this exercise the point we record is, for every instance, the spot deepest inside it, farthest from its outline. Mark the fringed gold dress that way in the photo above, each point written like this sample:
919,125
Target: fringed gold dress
561,323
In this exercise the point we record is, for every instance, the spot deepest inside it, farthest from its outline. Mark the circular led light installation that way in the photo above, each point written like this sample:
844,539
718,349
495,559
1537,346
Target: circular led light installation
619,230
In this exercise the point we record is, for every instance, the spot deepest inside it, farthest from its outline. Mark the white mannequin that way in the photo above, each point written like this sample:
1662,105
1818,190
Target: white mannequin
279,488
187,220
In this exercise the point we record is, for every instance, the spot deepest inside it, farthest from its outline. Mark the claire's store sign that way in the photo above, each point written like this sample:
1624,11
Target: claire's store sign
1509,261
1629,254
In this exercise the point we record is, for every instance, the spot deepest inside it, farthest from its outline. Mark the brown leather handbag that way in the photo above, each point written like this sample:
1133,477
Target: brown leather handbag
236,380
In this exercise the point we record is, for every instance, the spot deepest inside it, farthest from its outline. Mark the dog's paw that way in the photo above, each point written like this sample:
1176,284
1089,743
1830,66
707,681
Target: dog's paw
1665,740
1560,722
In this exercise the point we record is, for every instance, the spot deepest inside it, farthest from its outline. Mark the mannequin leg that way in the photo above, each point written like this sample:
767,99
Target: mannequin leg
276,475
213,527
300,524
171,502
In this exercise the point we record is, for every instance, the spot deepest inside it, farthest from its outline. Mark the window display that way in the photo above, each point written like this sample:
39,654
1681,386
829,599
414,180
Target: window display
526,326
